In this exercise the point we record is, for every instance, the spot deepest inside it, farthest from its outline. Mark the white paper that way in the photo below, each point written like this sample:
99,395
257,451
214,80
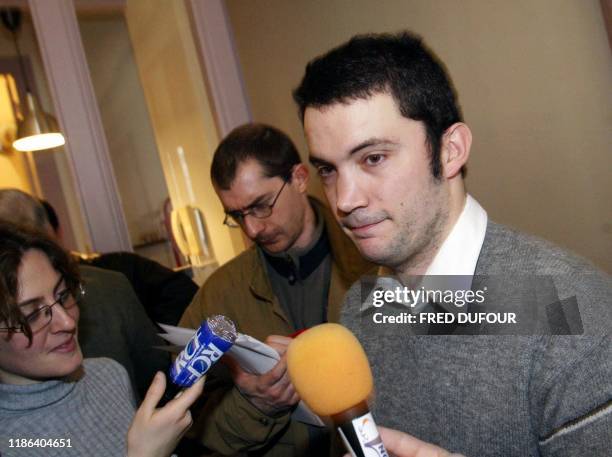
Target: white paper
252,355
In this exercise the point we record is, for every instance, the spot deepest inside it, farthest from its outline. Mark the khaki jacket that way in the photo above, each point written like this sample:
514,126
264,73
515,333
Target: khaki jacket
241,290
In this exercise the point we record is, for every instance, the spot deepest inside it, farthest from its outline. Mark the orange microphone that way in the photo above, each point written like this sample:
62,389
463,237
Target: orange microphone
331,373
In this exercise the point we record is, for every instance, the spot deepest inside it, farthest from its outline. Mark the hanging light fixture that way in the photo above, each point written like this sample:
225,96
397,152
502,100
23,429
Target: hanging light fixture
37,130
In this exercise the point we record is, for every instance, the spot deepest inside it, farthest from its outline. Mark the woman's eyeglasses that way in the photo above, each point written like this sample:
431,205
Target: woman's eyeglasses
39,319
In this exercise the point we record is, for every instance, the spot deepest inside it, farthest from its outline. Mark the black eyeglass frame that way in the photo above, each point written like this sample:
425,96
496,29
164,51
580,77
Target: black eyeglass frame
235,219
77,294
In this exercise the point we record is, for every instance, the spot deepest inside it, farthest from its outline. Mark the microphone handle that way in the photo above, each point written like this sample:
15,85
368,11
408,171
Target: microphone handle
358,431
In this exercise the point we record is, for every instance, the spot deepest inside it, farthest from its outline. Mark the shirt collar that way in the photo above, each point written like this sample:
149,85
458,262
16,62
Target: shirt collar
459,252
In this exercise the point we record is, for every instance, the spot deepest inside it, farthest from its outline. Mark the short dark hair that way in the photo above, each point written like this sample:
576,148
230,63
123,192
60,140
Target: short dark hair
23,209
51,214
397,64
15,241
270,147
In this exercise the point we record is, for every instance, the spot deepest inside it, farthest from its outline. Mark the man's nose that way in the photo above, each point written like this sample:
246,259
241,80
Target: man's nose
252,226
349,194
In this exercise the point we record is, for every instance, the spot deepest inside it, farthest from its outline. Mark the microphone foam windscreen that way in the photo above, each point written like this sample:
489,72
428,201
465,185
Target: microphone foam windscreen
329,369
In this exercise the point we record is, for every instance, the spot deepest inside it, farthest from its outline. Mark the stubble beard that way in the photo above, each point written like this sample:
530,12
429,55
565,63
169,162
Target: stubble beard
413,247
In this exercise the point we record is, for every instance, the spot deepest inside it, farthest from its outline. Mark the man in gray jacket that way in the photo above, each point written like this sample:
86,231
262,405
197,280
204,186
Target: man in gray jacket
386,135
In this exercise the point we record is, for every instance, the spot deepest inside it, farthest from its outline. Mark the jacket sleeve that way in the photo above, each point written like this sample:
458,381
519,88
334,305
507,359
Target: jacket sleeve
573,402
225,421
141,335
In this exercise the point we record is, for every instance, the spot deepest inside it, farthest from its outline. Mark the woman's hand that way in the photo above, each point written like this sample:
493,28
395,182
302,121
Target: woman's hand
155,432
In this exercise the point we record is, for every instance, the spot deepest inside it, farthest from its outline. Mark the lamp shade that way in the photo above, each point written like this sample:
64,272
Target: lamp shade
38,130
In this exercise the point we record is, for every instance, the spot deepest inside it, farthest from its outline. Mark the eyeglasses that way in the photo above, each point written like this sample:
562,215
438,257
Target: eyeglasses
40,318
235,219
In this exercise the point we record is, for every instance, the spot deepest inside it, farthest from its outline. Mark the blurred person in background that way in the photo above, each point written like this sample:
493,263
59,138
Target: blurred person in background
163,292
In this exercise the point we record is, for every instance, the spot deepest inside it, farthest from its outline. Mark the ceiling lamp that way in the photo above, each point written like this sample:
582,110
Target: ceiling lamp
37,130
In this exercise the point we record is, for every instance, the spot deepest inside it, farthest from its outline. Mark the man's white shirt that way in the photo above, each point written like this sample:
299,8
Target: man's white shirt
459,253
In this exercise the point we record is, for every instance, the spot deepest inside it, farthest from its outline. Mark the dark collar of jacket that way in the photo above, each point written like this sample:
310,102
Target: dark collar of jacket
347,267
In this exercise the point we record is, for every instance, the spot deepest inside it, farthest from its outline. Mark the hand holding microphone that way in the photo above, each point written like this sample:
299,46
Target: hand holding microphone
214,338
163,417
155,432
400,444
330,371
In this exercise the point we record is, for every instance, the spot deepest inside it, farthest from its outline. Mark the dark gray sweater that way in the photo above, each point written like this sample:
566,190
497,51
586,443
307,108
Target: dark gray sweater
502,395
94,413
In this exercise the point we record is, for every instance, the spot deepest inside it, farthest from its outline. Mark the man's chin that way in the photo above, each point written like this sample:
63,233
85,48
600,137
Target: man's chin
373,250
274,247
368,246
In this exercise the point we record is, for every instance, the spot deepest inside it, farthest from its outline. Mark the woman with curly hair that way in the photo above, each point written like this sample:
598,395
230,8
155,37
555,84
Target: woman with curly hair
52,401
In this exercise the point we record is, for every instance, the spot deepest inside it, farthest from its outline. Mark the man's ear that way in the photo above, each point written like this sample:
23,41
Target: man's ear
299,177
455,151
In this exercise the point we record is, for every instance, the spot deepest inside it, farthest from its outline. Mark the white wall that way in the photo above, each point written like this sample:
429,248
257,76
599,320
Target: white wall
533,79
126,123
182,112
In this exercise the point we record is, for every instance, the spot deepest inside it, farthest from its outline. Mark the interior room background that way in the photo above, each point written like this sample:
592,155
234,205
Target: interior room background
533,79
